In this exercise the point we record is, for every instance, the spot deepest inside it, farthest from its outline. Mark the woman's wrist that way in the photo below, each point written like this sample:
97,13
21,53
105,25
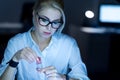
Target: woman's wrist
67,78
13,63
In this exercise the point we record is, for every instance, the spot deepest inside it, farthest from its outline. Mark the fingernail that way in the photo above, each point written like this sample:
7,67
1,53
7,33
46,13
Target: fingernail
38,60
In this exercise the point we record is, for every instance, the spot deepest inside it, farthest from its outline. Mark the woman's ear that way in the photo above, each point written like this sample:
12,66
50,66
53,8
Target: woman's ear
33,12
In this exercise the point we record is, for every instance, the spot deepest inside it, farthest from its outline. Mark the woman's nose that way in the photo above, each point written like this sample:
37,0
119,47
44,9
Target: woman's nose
49,27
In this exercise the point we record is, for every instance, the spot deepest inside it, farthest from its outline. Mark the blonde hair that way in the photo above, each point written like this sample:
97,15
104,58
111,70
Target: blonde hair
39,4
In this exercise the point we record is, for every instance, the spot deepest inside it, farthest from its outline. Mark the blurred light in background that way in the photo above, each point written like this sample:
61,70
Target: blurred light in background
89,14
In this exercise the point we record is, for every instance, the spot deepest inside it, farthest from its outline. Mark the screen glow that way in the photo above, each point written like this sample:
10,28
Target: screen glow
109,13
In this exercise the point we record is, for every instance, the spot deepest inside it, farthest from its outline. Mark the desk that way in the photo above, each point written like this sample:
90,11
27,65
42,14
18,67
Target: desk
10,27
100,30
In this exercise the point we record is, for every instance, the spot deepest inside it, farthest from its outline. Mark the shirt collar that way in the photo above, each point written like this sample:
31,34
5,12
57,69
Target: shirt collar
53,39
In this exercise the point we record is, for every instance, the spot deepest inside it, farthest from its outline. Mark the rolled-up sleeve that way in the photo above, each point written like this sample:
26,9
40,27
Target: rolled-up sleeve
76,65
8,53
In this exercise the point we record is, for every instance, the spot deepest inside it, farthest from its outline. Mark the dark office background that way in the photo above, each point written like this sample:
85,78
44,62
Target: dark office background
100,51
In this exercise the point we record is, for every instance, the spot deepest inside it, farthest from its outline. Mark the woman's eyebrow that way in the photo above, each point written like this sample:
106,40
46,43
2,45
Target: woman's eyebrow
43,16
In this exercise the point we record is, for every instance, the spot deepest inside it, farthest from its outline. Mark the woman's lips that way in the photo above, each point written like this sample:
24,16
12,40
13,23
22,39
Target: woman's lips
47,33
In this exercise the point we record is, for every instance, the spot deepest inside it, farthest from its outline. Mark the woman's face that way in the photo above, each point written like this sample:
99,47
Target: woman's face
47,22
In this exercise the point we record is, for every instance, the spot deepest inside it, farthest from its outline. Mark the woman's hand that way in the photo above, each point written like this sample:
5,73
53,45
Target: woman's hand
51,73
26,53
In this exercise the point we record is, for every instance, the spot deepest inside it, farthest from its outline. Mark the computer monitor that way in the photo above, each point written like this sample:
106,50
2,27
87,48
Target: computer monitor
109,15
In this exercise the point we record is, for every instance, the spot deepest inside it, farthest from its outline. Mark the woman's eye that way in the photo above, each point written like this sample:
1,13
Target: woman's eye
56,22
44,20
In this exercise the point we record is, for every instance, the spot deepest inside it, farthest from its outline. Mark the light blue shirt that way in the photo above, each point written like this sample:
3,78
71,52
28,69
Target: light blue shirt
62,53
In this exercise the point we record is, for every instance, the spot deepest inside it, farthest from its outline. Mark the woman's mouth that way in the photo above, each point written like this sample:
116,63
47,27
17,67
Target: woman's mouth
47,33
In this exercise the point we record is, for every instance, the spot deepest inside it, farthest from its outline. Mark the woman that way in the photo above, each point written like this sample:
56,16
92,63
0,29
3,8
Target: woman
43,52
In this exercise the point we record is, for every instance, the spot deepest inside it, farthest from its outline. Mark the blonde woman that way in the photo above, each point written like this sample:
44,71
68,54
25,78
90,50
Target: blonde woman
43,52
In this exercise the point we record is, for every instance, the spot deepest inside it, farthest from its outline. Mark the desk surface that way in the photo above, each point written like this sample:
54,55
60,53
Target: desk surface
100,30
10,27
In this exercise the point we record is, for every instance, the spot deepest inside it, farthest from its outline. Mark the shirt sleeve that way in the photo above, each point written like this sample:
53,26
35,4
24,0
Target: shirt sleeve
76,65
8,53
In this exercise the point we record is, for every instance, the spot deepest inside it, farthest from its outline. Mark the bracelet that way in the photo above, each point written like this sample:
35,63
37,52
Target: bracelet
13,63
67,78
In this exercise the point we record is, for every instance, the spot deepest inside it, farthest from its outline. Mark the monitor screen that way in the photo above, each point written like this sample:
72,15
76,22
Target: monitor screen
109,15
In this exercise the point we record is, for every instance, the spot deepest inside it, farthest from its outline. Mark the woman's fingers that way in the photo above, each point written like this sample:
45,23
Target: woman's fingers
48,69
50,72
30,54
26,53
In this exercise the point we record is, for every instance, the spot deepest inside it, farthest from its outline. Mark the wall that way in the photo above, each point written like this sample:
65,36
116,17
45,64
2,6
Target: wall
10,10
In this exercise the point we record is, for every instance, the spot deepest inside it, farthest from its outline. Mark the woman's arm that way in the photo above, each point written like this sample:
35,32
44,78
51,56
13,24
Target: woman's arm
8,73
78,68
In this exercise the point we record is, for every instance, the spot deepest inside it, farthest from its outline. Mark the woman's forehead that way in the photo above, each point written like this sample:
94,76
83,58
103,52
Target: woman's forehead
51,13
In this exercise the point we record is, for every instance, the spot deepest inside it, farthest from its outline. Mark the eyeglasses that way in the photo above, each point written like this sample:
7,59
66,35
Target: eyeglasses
44,21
